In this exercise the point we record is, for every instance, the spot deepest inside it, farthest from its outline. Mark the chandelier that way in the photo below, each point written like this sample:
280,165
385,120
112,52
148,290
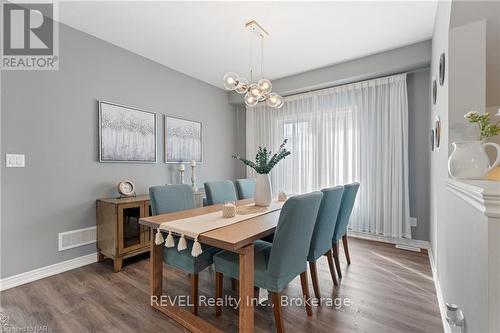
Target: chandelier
259,91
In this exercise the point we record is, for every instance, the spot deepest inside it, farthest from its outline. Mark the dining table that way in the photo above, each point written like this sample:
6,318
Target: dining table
238,237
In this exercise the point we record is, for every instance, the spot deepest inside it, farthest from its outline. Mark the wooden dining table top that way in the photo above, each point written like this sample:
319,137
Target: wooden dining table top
232,237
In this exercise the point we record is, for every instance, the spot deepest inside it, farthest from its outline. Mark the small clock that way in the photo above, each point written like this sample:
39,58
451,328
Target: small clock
126,189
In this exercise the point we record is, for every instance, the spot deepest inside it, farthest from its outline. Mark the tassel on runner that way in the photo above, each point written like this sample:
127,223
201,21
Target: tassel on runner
182,244
170,240
158,237
196,251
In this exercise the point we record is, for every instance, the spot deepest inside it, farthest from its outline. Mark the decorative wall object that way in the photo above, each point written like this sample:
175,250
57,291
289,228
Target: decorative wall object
434,91
183,140
437,132
432,139
126,134
442,64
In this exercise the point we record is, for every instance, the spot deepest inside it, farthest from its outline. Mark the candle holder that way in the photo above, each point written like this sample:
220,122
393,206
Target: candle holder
181,172
228,210
193,176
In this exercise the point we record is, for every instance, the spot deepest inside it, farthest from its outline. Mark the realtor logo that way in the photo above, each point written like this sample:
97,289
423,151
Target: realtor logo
30,36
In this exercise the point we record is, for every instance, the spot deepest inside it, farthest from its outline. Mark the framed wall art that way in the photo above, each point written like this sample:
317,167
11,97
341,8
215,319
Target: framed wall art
432,139
126,134
437,132
434,91
183,140
442,65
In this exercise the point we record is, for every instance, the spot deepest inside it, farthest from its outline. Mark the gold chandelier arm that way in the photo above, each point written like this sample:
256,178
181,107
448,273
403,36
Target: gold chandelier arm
262,57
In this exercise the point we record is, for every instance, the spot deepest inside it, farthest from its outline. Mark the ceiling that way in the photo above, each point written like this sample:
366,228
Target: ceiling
207,39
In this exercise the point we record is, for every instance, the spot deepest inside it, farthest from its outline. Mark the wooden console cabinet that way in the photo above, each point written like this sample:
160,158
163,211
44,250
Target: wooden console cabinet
119,234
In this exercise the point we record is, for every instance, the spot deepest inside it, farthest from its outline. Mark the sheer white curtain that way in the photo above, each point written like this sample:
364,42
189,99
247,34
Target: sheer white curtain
357,132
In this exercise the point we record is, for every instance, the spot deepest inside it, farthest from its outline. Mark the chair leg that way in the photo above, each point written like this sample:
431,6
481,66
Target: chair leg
234,284
194,292
335,251
219,288
305,291
329,257
346,249
278,314
314,278
256,292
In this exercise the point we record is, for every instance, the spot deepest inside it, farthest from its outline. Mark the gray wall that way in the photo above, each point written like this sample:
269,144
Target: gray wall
419,150
240,138
415,58
403,59
51,117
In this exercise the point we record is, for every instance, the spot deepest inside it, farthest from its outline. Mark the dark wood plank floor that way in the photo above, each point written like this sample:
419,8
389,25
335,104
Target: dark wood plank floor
390,290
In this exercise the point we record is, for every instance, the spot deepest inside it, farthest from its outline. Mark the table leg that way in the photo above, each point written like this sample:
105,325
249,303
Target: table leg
155,267
182,316
246,291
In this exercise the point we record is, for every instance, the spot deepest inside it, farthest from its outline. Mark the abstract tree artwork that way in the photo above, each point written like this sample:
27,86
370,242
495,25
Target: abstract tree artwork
126,134
183,140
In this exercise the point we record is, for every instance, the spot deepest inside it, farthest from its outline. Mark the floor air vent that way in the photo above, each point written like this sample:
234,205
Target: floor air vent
408,248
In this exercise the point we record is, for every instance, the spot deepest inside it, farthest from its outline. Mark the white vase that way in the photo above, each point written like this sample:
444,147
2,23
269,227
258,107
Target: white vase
262,196
470,161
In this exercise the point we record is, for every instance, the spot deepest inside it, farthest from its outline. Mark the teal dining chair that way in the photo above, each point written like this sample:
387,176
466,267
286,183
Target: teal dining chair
276,264
172,198
321,241
218,192
245,188
348,199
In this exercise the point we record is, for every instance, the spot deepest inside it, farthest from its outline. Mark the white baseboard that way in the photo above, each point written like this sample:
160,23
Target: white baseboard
40,273
439,292
390,240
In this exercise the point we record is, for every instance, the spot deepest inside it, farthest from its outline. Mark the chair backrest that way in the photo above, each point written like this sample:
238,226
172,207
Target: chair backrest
245,188
321,240
293,236
220,191
170,198
348,198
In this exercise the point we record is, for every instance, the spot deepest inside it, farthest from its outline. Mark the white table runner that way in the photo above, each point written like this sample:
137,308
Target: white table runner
194,226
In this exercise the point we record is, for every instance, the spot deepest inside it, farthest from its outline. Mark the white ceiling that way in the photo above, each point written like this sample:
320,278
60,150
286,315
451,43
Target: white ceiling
207,39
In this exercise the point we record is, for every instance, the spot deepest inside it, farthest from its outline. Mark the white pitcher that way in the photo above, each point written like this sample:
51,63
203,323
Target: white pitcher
262,196
470,161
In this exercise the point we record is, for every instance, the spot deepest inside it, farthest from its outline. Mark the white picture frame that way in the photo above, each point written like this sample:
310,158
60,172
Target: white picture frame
183,140
126,134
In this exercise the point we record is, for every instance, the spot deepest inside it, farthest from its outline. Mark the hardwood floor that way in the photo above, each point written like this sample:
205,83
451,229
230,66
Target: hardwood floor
390,290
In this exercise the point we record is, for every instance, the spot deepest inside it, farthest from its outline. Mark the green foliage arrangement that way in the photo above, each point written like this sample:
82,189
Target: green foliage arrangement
486,128
264,162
